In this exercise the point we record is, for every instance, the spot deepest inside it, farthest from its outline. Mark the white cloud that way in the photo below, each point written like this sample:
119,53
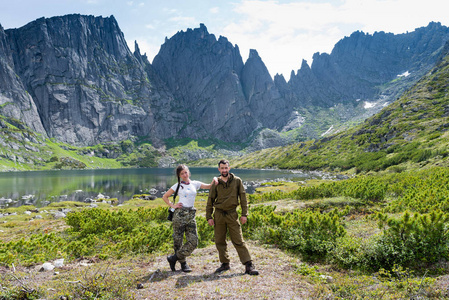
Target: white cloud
182,20
285,33
214,10
170,10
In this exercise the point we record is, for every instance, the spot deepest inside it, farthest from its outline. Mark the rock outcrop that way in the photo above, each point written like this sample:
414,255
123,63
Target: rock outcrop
86,84
264,99
15,102
224,98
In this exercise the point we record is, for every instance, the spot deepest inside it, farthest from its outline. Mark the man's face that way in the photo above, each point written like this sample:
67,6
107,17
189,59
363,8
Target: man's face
224,170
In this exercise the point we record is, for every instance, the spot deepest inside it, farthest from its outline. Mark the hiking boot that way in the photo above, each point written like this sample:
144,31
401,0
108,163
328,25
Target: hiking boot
185,267
223,267
249,269
172,259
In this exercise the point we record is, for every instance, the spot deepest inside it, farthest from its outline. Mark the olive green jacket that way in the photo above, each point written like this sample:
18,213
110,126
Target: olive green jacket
225,196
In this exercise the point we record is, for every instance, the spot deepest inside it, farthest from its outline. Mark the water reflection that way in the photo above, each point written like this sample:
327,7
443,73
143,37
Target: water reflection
41,187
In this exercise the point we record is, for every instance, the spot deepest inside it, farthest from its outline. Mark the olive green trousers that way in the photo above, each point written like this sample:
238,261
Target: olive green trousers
224,222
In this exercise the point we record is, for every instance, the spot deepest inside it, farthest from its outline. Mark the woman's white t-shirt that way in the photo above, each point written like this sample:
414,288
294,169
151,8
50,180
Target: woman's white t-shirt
187,192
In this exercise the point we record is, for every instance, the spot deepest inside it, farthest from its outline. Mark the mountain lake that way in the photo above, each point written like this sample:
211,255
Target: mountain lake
39,188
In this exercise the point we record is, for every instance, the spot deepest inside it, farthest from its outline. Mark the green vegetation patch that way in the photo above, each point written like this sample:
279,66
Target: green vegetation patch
372,226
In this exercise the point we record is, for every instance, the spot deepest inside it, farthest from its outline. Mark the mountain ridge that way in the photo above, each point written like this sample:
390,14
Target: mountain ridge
73,79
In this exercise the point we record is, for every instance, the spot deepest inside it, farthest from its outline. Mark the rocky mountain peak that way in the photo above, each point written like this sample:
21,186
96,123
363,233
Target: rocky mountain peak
253,54
360,64
86,84
304,65
209,74
136,48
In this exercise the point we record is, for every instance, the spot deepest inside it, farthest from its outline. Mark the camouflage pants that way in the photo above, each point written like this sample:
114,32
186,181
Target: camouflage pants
184,223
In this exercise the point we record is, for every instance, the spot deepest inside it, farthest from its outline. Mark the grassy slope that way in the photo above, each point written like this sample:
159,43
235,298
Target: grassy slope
22,149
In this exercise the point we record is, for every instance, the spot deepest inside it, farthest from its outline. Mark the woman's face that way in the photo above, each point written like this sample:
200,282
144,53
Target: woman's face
184,174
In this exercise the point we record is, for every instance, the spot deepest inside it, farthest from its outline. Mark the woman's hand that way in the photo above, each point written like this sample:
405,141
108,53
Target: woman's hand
208,186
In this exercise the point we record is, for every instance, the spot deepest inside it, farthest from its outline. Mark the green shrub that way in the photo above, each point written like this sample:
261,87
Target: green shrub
205,232
423,191
309,233
349,252
95,232
410,240
34,249
421,155
366,188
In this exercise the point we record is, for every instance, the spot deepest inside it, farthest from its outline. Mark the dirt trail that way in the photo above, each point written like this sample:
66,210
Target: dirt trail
277,279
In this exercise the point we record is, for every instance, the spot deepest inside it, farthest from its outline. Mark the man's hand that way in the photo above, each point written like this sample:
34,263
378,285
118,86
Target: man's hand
243,220
211,222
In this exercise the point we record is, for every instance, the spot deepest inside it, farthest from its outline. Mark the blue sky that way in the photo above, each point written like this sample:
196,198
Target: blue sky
283,32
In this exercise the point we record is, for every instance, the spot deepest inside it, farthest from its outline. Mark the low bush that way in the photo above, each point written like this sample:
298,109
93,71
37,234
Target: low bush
309,233
102,233
411,240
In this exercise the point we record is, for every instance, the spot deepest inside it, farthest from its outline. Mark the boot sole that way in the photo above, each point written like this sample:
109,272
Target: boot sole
221,271
252,273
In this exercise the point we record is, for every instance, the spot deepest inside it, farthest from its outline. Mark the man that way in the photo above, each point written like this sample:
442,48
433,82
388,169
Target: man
224,199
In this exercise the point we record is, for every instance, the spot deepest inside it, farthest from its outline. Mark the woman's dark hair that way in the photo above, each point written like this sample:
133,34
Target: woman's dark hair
178,172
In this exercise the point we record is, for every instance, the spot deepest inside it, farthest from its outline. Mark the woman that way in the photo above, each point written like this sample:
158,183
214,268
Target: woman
184,216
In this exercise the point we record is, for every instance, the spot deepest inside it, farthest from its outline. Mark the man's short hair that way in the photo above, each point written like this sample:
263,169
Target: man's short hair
223,162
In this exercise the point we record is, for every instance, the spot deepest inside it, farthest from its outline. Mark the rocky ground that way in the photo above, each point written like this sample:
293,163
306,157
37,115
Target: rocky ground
151,278
277,279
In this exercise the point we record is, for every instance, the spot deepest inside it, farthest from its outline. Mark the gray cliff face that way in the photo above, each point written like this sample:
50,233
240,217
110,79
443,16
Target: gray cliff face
203,74
264,99
15,102
223,98
360,64
88,87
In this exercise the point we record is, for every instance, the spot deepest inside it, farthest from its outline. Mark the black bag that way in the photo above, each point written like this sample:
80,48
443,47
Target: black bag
170,214
171,211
